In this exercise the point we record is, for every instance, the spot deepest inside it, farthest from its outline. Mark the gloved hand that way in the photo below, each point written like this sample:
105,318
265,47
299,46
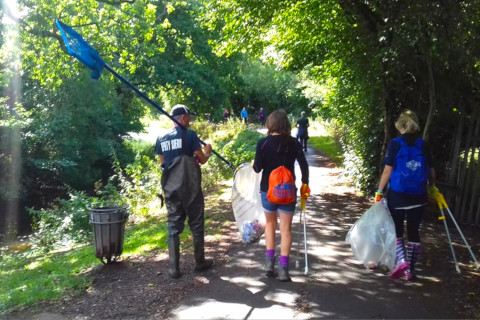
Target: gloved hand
304,191
378,195
304,194
433,192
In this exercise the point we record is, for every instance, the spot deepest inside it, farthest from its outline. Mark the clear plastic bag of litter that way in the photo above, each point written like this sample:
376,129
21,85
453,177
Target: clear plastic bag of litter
247,204
372,237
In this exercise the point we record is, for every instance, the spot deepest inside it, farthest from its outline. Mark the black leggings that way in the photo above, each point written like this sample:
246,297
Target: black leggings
414,218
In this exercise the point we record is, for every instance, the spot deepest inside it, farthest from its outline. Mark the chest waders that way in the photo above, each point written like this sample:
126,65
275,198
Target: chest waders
181,183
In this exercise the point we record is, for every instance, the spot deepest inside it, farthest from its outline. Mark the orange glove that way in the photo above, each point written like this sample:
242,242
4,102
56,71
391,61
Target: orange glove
305,191
378,195
304,194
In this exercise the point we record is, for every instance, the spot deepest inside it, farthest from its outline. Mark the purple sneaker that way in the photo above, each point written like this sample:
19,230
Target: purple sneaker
399,270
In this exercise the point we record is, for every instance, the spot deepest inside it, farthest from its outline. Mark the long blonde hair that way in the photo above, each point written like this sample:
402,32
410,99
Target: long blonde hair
278,122
407,122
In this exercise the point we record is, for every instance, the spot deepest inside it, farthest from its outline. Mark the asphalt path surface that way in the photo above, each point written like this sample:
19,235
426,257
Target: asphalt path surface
335,284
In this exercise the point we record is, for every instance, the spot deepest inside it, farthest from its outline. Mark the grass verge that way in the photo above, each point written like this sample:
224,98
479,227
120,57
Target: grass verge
27,279
329,147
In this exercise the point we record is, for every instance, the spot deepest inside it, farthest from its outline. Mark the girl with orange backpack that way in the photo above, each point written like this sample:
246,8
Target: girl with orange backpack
275,157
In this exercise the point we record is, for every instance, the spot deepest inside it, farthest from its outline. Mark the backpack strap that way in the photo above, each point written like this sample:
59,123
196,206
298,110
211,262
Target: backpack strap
419,143
401,141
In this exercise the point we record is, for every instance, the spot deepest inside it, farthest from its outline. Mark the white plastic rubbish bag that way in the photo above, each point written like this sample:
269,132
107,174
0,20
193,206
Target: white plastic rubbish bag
247,204
373,237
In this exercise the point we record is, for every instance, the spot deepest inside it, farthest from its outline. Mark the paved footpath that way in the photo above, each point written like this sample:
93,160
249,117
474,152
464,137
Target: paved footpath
336,285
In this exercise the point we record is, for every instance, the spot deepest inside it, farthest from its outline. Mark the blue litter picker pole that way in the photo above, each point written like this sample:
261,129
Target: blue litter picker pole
80,49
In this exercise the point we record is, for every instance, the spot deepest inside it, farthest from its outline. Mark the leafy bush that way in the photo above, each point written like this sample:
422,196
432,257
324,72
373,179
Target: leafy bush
138,186
63,225
233,142
67,222
242,149
133,149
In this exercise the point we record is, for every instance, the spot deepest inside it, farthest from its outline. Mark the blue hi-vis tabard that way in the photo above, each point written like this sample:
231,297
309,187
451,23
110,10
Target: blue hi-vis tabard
410,173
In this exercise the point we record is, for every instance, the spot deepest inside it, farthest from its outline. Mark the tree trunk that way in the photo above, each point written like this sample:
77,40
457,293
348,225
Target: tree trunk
474,174
431,96
386,125
463,173
454,157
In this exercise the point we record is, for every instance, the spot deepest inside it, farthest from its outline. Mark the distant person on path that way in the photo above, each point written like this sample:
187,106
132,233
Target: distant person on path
179,153
408,168
278,149
244,115
302,134
261,117
226,115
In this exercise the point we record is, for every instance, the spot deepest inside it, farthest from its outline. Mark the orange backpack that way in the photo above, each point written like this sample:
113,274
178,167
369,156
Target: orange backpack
281,187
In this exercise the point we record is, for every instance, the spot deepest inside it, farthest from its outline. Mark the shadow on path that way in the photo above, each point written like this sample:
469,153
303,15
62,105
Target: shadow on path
336,286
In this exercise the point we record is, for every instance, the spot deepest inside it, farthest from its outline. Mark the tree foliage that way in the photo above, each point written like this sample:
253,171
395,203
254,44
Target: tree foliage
358,63
261,85
69,128
374,58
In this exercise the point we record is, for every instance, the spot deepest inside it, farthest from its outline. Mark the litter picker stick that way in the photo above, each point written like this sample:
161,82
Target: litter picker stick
463,238
305,241
144,96
297,262
442,204
303,200
449,241
83,51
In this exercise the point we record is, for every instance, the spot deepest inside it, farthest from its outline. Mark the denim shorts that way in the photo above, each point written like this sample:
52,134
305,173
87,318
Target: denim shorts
272,207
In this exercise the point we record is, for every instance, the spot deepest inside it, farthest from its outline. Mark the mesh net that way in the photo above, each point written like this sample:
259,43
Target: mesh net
81,50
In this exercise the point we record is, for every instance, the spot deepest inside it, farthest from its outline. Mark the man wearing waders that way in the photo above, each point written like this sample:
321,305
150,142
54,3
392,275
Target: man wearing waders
179,153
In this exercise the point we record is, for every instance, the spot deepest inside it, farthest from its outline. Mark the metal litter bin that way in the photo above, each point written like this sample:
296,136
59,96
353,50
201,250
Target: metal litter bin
108,229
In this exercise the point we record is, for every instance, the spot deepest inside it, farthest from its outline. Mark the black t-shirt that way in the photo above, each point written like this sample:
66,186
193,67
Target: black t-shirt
170,145
397,199
274,151
302,123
